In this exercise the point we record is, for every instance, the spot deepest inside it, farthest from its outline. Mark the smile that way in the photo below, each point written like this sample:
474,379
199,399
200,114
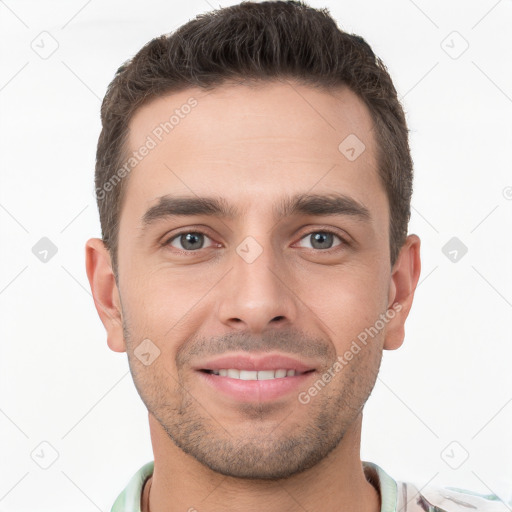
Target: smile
234,373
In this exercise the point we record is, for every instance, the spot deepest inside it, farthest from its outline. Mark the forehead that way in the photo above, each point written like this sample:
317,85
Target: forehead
252,144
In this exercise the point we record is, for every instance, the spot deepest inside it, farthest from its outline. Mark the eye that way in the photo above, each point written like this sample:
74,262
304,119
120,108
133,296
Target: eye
321,240
189,241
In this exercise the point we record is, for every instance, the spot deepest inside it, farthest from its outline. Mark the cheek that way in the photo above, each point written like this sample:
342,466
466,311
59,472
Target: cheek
167,307
160,295
347,299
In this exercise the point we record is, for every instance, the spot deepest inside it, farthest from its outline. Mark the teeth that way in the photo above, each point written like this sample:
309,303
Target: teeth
233,373
266,374
247,375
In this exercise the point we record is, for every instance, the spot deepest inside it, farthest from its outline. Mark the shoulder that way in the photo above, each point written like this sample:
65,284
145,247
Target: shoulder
445,499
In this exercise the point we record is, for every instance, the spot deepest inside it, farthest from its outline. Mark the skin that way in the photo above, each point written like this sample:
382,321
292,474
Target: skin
254,145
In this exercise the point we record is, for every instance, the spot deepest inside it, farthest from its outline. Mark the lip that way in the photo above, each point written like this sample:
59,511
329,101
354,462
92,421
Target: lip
255,362
255,390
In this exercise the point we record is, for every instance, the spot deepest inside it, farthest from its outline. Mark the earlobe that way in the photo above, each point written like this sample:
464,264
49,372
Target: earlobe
105,292
404,279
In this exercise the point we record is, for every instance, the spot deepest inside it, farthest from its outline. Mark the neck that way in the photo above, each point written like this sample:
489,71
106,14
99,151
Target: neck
179,482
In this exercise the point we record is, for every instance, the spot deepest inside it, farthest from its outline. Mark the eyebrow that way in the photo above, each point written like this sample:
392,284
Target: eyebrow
169,206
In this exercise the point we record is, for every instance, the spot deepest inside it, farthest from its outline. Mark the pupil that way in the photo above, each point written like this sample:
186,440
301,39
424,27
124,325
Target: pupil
188,240
321,238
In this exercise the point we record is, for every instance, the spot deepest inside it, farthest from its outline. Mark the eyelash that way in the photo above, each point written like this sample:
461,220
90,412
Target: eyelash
344,242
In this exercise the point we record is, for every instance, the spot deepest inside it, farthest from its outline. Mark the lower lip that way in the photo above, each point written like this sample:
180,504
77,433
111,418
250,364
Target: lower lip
256,390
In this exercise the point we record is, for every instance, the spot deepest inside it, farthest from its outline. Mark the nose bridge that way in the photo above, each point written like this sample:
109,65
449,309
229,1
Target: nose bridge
254,295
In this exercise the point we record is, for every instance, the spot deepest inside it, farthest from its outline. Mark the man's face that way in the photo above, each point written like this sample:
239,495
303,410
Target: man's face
241,291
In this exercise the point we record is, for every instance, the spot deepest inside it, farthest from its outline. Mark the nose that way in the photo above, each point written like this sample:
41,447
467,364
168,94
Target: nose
257,293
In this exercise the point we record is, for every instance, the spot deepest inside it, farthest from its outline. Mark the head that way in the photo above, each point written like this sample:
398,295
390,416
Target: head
254,180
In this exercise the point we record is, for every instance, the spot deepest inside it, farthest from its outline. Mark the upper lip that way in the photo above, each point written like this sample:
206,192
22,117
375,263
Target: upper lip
244,361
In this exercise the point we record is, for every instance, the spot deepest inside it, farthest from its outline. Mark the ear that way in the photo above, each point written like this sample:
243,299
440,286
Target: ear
404,278
105,292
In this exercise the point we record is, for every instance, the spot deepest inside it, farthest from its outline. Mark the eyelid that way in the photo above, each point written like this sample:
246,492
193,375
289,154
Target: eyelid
343,238
169,238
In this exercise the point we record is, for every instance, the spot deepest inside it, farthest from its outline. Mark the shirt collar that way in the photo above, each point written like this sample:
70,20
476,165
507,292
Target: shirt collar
130,498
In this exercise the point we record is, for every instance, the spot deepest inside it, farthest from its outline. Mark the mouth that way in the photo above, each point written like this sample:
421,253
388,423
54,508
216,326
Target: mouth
253,377
236,373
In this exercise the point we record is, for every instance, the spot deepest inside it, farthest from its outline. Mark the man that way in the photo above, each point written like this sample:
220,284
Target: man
275,144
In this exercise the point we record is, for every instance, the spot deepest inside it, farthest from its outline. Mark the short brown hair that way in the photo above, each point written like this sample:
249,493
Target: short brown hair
264,41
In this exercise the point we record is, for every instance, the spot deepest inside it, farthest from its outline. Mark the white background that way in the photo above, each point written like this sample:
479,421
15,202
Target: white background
60,383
